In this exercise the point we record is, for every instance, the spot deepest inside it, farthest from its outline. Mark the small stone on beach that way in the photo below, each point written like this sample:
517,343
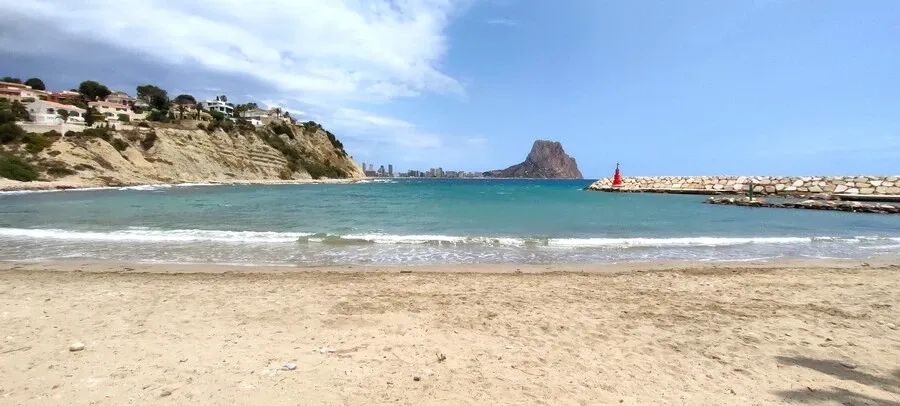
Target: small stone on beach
76,346
290,366
417,379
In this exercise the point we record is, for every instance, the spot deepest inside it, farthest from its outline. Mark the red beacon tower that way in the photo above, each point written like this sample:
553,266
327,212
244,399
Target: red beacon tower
617,178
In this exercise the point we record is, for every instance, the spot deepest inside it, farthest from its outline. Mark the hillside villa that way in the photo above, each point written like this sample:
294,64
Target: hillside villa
112,111
47,112
258,117
21,93
44,107
218,105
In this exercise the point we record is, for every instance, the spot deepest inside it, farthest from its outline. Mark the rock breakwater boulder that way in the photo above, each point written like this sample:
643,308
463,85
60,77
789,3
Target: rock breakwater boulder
812,186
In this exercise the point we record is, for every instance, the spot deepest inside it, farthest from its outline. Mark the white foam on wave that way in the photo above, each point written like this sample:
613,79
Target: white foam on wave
145,187
403,239
153,235
672,242
144,234
122,188
85,189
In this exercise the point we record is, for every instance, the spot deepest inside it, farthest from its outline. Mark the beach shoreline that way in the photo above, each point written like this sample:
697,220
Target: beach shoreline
115,266
688,333
7,185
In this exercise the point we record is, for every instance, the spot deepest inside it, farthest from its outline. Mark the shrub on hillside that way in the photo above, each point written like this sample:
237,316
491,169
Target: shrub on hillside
149,141
57,169
157,115
123,118
119,144
286,173
102,133
35,143
13,167
227,125
279,127
339,146
10,132
144,124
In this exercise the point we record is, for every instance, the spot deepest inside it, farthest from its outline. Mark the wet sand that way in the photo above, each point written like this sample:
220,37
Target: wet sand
809,332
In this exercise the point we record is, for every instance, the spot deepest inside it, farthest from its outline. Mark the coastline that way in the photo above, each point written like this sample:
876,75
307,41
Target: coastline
7,185
687,333
111,266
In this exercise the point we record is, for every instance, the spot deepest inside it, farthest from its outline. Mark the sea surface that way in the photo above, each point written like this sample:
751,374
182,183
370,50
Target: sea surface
419,221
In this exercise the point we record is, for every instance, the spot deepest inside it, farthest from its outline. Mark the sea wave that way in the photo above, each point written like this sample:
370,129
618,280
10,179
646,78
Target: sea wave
144,234
154,235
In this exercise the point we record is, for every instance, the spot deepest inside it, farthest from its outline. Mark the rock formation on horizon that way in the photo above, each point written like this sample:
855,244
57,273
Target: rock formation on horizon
547,159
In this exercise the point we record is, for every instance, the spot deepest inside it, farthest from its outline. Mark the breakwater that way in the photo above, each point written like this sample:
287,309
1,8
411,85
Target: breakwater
798,186
855,207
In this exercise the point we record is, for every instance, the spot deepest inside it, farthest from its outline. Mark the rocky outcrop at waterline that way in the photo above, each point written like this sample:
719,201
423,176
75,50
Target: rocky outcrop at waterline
855,207
546,160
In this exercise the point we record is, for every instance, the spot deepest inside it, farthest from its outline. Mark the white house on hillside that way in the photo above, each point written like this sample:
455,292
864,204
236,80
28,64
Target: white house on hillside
218,105
112,110
256,116
47,112
118,97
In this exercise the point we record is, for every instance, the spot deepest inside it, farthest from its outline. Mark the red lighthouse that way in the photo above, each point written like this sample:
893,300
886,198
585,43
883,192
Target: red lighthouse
617,178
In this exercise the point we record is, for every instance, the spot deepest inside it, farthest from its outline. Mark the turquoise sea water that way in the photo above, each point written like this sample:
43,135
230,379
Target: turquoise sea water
419,221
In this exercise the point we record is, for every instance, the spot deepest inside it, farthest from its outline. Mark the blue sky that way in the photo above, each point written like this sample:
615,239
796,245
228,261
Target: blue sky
665,88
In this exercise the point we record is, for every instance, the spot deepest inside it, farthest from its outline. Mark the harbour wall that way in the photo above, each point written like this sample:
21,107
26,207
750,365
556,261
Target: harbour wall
763,185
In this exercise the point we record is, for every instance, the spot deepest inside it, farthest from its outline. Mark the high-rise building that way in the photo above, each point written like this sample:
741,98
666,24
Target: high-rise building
381,170
439,173
372,167
390,170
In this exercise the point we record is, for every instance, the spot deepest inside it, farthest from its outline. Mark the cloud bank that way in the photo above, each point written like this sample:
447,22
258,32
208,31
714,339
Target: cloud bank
330,58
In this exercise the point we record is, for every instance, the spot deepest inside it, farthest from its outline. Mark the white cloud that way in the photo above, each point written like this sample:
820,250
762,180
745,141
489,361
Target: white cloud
328,49
502,21
325,59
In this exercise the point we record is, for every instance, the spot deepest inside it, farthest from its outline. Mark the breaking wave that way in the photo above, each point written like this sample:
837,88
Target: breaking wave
139,234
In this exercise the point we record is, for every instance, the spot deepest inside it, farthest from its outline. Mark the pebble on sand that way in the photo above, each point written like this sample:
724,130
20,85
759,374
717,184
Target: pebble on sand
76,346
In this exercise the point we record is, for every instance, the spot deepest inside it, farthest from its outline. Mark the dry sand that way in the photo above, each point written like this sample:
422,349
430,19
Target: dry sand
695,334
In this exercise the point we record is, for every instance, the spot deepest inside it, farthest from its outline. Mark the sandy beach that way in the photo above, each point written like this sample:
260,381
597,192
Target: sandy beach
685,333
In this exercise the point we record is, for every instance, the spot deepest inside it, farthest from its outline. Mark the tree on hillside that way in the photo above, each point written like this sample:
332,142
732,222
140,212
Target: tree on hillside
158,98
93,90
223,98
36,84
64,114
277,111
91,116
13,111
185,99
11,79
240,108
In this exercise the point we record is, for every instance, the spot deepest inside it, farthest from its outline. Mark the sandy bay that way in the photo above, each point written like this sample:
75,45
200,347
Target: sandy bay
818,332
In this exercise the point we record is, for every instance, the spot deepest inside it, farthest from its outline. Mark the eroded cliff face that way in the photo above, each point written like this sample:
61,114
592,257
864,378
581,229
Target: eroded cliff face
547,159
178,154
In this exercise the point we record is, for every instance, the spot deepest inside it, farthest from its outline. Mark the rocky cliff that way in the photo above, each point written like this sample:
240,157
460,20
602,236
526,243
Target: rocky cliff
547,159
169,153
